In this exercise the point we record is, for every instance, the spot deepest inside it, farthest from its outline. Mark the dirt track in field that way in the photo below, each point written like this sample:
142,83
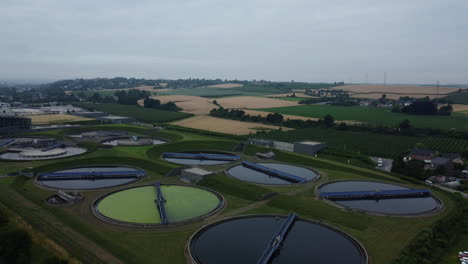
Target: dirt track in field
224,125
253,102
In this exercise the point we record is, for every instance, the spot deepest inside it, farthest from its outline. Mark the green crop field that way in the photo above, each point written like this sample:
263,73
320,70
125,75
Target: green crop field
79,234
369,143
373,115
458,98
140,113
223,92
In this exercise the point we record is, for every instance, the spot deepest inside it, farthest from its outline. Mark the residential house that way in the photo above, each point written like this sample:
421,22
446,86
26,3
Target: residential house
423,154
456,158
438,162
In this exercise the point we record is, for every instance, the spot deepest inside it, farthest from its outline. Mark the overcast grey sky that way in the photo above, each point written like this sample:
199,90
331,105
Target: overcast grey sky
414,41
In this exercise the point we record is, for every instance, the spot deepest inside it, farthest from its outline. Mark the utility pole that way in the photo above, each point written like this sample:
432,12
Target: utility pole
438,86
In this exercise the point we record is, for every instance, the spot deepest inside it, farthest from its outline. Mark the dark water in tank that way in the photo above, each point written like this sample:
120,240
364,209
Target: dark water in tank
408,205
89,184
244,240
250,175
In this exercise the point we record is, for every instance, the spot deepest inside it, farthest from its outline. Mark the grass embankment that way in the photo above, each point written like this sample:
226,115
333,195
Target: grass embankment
373,115
141,114
368,143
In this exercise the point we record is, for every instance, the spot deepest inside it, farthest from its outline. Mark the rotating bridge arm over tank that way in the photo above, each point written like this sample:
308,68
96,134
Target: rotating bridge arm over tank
376,194
221,157
273,172
6,142
278,238
92,175
160,204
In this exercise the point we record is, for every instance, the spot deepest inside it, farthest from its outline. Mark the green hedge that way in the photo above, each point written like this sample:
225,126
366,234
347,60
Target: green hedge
429,246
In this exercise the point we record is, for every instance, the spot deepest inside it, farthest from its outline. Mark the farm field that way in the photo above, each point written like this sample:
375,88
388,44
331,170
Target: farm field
92,240
253,102
369,143
223,92
140,113
372,115
396,91
190,104
56,118
459,98
224,125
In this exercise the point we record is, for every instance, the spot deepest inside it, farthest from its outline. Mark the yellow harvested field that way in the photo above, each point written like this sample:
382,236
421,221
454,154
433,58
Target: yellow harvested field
227,126
460,108
191,104
289,94
395,91
253,102
225,85
55,118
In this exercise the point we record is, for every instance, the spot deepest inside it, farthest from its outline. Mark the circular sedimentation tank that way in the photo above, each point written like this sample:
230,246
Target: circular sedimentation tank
130,142
99,134
249,174
25,149
211,158
137,206
245,239
88,178
385,206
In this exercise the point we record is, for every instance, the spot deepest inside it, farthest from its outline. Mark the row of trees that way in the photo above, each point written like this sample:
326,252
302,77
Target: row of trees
156,104
421,107
274,118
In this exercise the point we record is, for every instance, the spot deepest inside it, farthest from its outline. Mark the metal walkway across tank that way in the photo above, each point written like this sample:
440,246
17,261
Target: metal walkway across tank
91,175
375,194
277,239
200,156
273,172
160,200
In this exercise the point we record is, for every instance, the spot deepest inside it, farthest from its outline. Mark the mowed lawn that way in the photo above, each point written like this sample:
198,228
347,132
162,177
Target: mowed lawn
373,115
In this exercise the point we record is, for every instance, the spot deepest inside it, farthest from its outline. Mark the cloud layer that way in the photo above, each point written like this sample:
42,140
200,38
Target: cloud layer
419,41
